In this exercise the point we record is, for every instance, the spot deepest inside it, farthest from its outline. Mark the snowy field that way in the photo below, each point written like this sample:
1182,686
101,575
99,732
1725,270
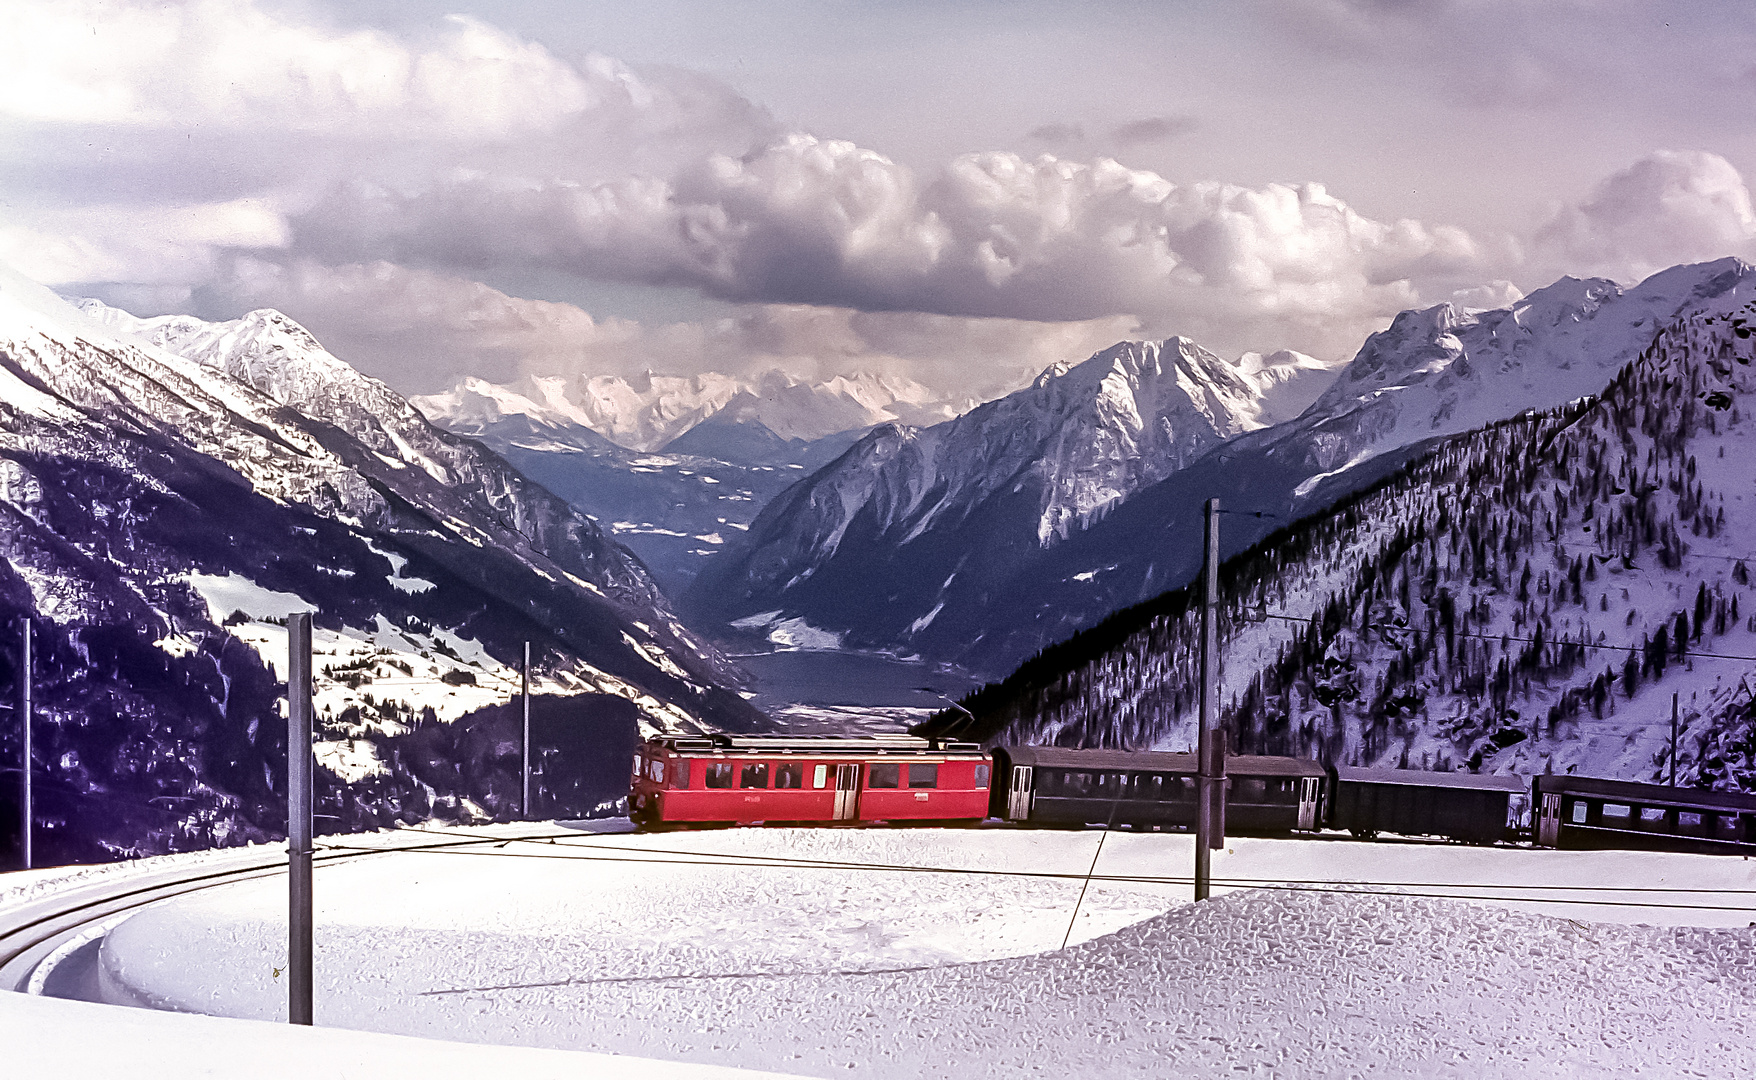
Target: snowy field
927,952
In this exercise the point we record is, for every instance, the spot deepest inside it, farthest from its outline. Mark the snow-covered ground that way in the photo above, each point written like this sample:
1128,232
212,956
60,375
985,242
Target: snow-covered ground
927,952
46,1038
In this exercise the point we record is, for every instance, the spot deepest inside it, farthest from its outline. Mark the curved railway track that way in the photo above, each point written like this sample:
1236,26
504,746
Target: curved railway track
36,929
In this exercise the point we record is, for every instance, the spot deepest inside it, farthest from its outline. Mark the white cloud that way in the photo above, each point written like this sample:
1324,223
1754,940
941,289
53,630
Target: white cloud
153,245
431,329
236,62
1667,208
826,222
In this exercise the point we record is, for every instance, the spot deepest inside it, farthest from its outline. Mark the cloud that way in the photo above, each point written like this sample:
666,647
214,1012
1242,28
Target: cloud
1152,129
238,63
150,246
1667,208
212,99
814,221
1059,134
430,329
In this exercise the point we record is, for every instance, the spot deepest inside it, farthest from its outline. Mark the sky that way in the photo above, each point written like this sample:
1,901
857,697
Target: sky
958,192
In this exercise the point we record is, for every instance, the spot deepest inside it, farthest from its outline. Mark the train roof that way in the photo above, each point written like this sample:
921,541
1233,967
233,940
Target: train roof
1060,757
1424,778
1646,793
824,744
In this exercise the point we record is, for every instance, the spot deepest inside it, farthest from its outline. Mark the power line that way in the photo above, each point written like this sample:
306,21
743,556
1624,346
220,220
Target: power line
1374,888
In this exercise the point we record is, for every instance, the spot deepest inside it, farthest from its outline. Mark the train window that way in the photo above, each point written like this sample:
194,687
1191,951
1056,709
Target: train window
1252,789
923,776
819,776
1082,783
1652,817
639,765
982,775
680,774
884,776
1615,813
720,774
754,774
1579,812
789,774
1689,822
657,771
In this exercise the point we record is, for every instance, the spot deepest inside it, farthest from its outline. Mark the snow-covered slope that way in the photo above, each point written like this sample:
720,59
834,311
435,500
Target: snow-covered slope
650,411
161,516
1521,599
1010,476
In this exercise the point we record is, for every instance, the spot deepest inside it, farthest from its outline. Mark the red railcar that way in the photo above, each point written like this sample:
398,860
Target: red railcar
750,778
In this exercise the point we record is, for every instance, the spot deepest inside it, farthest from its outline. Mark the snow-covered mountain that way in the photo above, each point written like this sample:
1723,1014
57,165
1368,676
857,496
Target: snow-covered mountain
850,561
1006,479
164,510
649,412
1525,598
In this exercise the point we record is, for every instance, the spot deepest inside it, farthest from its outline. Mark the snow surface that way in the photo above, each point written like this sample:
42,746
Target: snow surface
46,1037
825,952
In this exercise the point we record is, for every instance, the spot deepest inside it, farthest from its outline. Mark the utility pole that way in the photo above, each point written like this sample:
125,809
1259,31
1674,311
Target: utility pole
300,767
26,812
1210,750
1673,740
524,757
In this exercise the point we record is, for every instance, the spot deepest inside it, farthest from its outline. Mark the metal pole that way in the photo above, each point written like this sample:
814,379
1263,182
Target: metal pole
1209,749
26,811
299,792
524,762
1673,740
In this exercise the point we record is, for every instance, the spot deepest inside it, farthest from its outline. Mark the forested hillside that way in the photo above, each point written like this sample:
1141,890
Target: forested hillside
1524,598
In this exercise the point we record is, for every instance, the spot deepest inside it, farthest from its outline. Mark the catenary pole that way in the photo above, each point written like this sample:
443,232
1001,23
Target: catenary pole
1210,745
26,811
300,767
1673,740
524,757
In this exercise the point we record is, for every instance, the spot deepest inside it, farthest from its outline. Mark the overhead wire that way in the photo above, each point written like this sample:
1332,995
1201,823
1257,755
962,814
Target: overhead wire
1435,890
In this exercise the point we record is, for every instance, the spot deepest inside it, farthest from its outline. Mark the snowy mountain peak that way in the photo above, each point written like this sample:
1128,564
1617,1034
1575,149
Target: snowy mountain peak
1026,470
649,411
1446,369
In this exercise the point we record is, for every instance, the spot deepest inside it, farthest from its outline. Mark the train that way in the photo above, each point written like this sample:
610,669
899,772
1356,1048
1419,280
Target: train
683,781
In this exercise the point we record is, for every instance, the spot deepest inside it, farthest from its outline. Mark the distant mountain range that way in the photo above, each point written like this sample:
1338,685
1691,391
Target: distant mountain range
674,467
983,539
650,412
170,489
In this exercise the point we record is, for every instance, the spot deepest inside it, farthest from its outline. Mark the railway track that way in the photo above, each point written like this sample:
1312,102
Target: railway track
35,930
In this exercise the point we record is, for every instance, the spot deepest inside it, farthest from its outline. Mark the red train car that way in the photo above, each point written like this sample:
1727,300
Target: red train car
751,778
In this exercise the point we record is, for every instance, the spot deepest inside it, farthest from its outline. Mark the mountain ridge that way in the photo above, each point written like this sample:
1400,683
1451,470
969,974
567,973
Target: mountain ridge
1433,372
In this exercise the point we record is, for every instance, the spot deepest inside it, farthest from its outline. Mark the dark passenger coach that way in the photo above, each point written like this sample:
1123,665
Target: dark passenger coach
1460,806
1049,785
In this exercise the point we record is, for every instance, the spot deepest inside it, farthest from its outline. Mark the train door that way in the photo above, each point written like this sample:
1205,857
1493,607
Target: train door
1309,793
1018,796
847,792
1549,822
